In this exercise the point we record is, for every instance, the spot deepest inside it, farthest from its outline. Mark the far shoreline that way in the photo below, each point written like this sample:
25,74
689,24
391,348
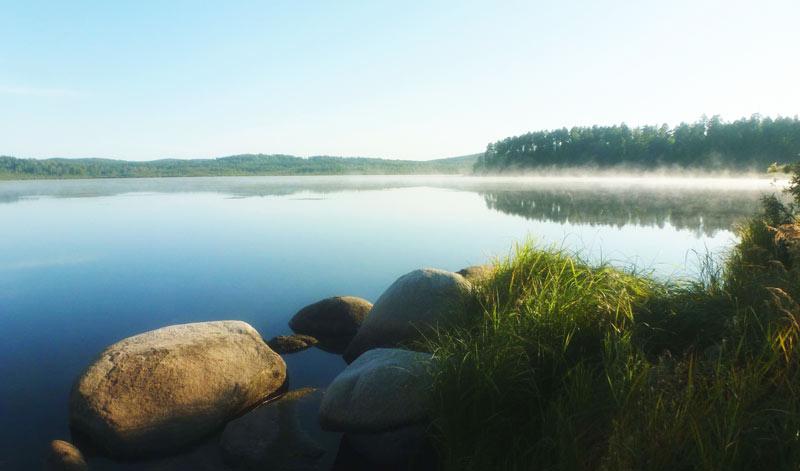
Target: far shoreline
566,175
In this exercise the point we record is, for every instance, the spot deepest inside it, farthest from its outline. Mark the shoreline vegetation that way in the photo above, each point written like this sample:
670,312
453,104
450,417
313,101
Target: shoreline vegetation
709,145
576,366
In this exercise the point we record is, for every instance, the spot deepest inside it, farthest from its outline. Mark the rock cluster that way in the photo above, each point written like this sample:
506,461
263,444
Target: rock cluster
159,391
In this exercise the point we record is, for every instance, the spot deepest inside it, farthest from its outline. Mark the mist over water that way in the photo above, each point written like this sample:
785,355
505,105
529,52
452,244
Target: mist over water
268,185
94,261
703,203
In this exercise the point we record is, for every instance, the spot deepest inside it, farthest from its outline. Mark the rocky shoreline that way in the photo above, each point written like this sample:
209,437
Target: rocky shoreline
159,393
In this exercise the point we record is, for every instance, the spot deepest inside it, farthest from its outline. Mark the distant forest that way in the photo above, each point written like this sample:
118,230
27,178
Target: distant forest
14,168
753,143
750,143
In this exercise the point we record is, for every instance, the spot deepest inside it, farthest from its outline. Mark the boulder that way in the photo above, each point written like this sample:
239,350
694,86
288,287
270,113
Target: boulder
381,402
476,273
408,309
383,389
63,456
166,388
333,321
271,436
291,343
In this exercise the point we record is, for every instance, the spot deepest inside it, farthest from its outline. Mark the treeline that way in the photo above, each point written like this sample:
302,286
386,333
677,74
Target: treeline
749,143
239,165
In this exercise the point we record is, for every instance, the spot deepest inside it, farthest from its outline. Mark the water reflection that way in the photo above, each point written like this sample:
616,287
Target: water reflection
701,211
701,205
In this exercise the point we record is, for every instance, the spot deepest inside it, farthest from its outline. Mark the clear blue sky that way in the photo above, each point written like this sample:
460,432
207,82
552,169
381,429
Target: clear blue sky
151,79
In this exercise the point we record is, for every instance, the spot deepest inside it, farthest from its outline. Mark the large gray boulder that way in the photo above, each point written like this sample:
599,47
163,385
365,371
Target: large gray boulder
332,321
271,436
381,401
409,308
168,387
64,456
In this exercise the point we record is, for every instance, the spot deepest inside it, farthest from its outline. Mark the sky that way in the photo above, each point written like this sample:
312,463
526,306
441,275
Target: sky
143,79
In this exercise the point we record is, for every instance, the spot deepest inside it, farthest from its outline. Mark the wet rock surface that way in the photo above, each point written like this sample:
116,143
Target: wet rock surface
283,344
273,436
64,456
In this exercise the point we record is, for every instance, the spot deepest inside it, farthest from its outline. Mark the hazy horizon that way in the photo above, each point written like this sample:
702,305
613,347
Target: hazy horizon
560,169
148,80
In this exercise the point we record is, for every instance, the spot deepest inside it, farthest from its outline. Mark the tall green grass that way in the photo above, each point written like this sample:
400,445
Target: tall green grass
557,364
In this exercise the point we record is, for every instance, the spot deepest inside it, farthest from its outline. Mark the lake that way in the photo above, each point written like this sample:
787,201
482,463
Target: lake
85,263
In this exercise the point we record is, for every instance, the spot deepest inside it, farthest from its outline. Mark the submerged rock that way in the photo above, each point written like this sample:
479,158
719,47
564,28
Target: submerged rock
166,388
271,436
381,403
408,309
392,447
291,343
204,455
350,459
333,321
64,456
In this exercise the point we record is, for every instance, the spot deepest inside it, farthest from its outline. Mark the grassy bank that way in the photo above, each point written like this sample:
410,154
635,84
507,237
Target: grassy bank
557,364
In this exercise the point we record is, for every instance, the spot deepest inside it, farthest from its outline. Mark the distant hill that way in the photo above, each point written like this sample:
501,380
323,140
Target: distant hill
237,165
708,144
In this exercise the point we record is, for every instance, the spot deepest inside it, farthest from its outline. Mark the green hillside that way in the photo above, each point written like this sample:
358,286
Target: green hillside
251,164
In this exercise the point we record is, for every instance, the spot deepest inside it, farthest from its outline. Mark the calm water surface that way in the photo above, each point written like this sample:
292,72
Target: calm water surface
86,263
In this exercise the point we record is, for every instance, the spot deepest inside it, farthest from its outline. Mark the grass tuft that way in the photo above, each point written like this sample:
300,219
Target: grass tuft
558,364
